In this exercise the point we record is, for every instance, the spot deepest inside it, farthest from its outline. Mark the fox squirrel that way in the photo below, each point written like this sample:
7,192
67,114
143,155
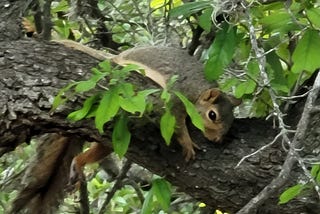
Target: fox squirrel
160,63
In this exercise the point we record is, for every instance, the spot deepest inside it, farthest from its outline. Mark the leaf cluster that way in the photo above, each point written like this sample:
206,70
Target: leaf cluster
118,99
301,189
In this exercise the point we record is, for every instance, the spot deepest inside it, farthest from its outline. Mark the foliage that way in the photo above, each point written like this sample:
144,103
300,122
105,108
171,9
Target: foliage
114,101
12,165
288,42
118,99
301,188
288,34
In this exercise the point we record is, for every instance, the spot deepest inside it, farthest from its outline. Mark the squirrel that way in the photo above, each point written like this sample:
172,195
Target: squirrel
159,64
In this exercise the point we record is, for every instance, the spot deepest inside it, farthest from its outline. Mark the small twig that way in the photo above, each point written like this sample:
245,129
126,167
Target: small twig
136,187
292,156
259,150
118,184
294,97
138,9
84,200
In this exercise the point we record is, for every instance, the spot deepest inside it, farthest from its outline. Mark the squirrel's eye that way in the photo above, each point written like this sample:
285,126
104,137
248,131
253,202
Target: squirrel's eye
212,115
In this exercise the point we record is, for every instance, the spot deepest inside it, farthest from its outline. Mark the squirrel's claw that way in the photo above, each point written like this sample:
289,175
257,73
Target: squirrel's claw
188,153
188,150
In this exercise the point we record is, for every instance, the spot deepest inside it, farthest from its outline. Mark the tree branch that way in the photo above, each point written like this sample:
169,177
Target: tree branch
33,72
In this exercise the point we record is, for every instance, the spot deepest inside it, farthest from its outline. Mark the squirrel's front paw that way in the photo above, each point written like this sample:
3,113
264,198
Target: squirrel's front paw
188,150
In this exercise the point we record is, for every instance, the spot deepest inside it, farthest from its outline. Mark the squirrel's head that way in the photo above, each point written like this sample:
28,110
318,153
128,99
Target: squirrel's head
216,109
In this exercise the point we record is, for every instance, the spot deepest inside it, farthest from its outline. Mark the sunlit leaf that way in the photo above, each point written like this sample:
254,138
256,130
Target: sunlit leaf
280,22
314,16
221,52
290,193
85,86
159,3
82,113
148,203
130,67
105,65
165,96
205,20
162,190
62,6
108,108
315,170
167,126
306,54
136,103
243,88
229,83
194,115
189,8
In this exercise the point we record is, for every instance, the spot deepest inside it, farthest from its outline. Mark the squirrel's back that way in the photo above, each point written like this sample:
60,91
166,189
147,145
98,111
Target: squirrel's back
161,63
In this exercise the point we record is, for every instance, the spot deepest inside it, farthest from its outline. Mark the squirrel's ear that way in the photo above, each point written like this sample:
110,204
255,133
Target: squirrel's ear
210,95
234,101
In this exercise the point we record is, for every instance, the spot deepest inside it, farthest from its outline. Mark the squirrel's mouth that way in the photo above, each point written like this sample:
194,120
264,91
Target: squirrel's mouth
214,135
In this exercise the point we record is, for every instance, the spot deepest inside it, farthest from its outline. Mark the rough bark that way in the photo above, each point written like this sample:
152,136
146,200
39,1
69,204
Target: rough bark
33,72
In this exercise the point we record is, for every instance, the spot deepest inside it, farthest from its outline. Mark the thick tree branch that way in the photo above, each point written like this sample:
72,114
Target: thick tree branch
33,72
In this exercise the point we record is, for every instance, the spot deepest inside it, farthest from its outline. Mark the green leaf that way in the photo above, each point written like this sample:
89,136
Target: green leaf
306,54
318,177
276,73
247,87
148,203
61,7
290,193
126,89
158,4
121,136
314,16
221,52
162,190
147,92
205,20
195,117
83,86
278,22
133,104
61,98
187,9
63,28
105,65
130,67
253,70
108,108
167,126
315,170
229,83
136,103
165,96
171,81
82,113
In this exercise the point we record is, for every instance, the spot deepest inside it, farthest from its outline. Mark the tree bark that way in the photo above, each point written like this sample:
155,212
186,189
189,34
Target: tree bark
33,72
